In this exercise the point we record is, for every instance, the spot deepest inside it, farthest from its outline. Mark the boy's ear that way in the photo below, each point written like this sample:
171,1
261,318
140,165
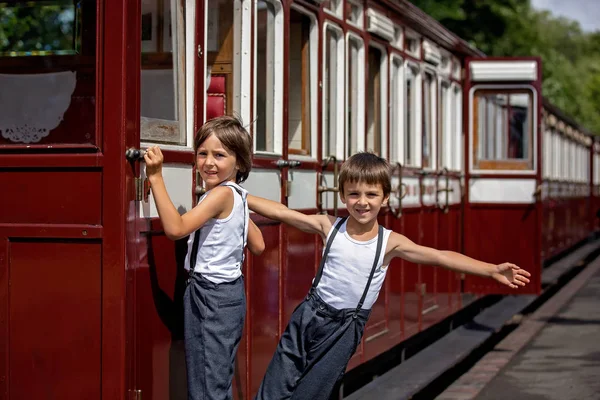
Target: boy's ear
385,200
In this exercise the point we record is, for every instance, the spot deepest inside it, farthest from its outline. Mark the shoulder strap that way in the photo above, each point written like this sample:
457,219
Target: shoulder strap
196,244
336,228
377,255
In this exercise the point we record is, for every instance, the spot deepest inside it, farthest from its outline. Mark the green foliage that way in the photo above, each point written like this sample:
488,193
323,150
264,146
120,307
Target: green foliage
570,57
37,27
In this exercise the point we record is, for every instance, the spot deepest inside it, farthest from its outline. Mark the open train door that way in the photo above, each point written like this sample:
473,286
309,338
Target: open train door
503,210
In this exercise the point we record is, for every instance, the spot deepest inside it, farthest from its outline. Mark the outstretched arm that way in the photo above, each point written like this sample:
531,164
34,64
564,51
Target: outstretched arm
507,274
320,224
175,225
256,243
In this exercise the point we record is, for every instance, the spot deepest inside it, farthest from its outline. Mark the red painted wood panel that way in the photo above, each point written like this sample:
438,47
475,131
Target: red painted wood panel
511,240
54,316
68,197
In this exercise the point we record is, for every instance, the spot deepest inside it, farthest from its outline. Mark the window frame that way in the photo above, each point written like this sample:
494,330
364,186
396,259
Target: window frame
414,148
340,92
397,113
278,68
458,131
313,54
505,166
445,132
433,118
383,98
360,109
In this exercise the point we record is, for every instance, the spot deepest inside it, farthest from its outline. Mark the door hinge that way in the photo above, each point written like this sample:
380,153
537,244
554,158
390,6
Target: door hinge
135,394
142,189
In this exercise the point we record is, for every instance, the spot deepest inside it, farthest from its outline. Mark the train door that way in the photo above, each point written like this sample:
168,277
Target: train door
62,253
502,99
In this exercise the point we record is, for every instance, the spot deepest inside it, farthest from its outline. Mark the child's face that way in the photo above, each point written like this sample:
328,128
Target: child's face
215,162
363,201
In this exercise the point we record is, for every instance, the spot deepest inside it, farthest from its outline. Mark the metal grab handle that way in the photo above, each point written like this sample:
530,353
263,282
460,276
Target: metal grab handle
322,189
538,191
447,189
133,154
287,163
401,191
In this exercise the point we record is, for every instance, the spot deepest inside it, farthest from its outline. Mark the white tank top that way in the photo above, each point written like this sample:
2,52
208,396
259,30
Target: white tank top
347,270
222,241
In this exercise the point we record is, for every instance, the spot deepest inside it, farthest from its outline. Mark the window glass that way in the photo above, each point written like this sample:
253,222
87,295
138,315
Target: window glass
411,99
428,116
355,88
396,111
503,133
162,100
333,86
375,99
302,78
48,72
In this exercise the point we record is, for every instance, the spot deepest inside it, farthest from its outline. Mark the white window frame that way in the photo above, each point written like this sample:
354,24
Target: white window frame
415,112
534,114
547,153
314,76
360,106
383,68
434,106
397,110
361,14
278,68
185,105
445,146
412,35
459,144
340,92
338,10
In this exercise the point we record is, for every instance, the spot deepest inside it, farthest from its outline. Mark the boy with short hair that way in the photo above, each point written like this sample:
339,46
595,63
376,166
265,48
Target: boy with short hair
326,328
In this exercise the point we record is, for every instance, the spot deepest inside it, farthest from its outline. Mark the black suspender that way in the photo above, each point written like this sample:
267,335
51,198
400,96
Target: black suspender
196,244
336,228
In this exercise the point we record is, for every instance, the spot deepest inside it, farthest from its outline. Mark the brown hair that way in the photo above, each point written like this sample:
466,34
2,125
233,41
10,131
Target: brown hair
368,168
231,132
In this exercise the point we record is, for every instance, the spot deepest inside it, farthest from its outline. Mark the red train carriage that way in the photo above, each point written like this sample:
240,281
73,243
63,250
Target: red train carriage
91,288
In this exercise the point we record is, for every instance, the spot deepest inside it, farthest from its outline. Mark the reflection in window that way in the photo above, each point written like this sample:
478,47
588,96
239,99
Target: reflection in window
375,99
40,28
302,63
162,78
396,110
48,75
410,132
355,85
504,128
267,74
333,86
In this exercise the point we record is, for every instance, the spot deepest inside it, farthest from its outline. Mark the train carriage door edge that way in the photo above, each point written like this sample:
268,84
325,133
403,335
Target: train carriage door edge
502,103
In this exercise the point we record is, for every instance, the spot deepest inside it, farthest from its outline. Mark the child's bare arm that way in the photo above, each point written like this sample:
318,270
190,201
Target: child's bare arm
506,273
177,226
256,243
320,224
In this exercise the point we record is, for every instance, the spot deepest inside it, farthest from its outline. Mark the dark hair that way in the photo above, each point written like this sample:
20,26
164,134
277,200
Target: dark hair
368,168
231,132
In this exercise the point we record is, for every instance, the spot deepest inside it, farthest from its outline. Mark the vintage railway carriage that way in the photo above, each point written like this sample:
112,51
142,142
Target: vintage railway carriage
90,288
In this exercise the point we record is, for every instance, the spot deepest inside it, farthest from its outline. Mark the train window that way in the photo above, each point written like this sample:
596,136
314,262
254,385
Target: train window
458,143
354,12
269,77
377,101
547,162
333,7
302,71
411,115
48,72
162,80
333,92
398,41
428,122
503,129
413,44
355,96
446,138
396,110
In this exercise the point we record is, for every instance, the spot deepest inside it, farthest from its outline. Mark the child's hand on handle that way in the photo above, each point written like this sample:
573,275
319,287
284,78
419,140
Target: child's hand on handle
511,275
154,161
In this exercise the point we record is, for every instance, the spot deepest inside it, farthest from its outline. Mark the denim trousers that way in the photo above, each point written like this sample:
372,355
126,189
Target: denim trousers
313,352
213,322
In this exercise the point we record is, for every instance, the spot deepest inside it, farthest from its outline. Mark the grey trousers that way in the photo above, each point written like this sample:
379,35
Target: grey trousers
213,323
313,352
